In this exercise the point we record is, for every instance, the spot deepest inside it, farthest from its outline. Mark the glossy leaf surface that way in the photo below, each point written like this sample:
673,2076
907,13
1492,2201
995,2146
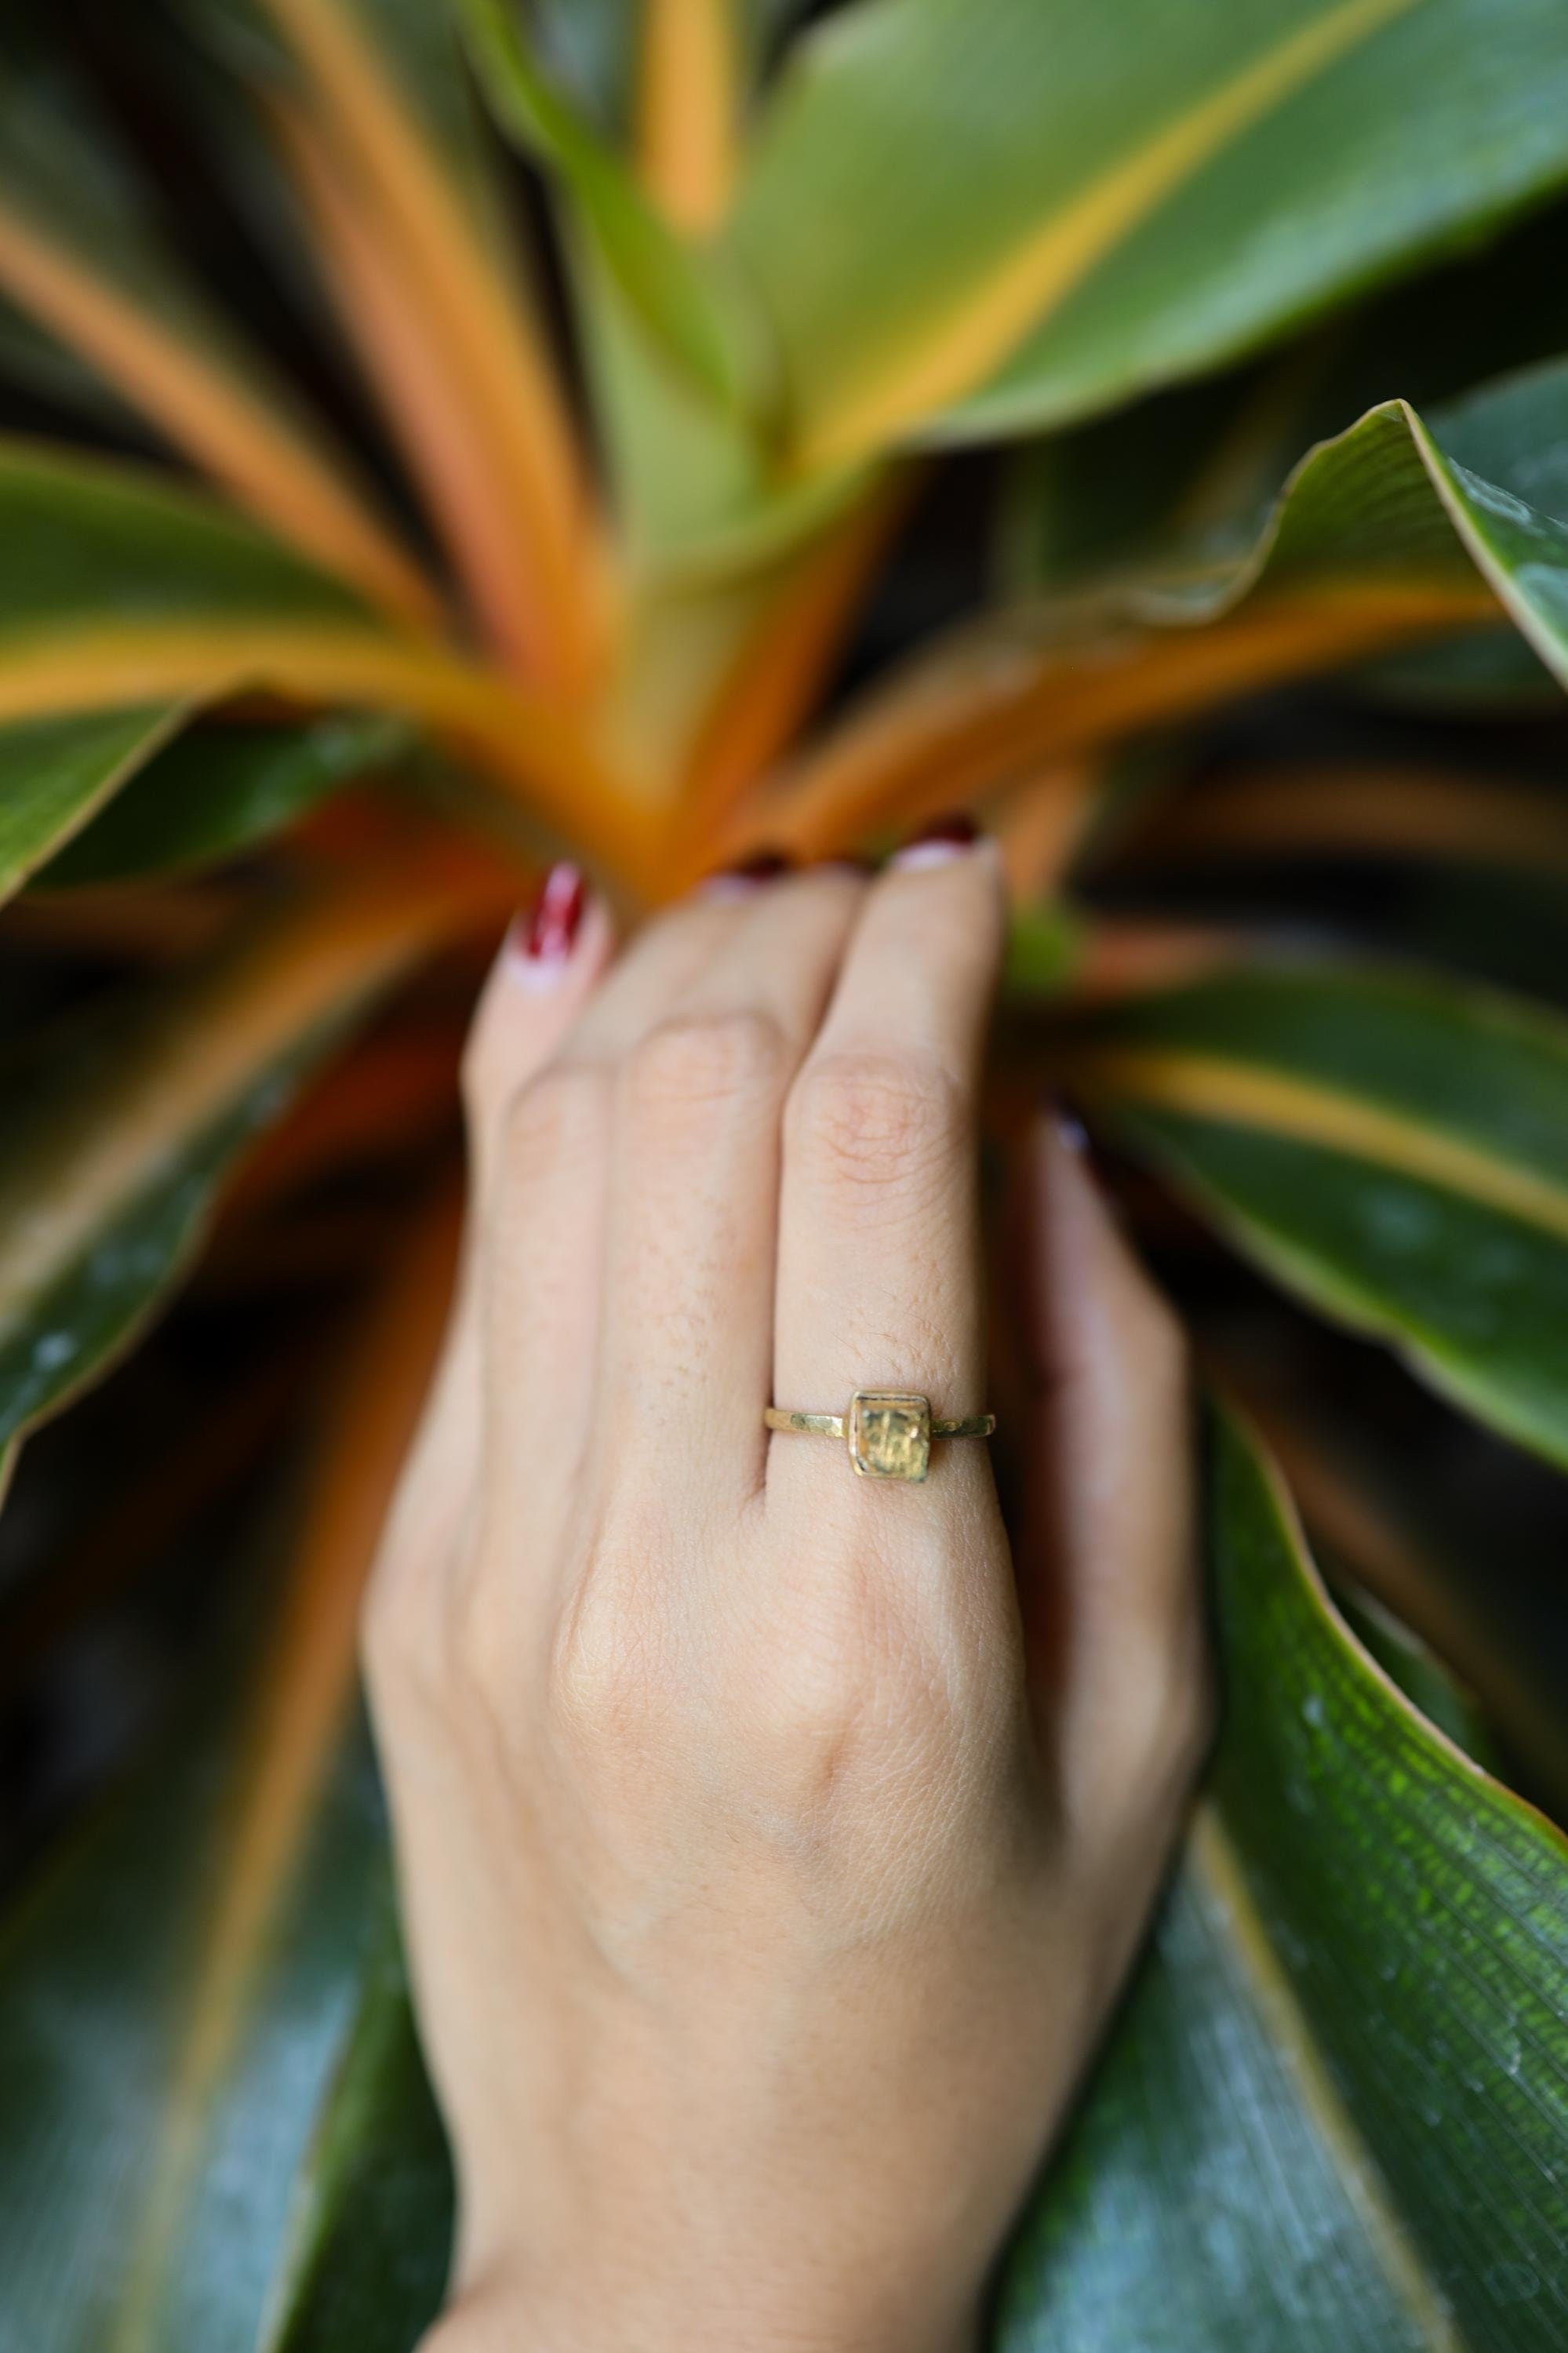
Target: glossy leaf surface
1198,466
1057,204
1393,1146
1379,539
1333,2116
90,2051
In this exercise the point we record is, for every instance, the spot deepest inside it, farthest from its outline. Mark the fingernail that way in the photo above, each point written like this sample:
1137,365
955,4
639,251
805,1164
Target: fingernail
944,839
1069,1127
539,945
753,874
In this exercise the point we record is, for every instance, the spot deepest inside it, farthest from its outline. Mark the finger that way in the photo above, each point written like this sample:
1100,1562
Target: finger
547,966
1107,1574
664,959
546,1286
878,1257
550,961
695,1192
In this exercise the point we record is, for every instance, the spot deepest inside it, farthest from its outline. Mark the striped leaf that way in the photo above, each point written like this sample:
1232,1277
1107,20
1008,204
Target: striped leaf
978,216
1380,538
1393,1146
667,282
81,254
1333,2116
216,2135
378,121
118,1130
123,591
57,773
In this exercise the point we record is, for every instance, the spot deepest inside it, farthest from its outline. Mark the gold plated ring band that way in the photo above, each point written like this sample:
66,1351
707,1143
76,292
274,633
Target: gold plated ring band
888,1431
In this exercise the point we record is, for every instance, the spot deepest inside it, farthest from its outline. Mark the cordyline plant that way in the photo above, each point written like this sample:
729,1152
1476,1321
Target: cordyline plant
651,473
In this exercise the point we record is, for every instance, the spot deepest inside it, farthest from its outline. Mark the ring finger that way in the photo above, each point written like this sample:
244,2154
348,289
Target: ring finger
878,1282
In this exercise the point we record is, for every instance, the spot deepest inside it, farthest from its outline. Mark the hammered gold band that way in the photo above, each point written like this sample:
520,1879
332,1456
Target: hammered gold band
888,1431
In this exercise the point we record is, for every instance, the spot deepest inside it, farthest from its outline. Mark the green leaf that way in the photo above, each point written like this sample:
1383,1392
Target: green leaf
217,791
1398,497
215,2132
373,2206
973,217
82,254
1392,1146
590,48
1333,2116
1187,478
319,2189
1376,542
89,541
697,498
1425,1682
416,46
55,774
669,284
117,1129
121,588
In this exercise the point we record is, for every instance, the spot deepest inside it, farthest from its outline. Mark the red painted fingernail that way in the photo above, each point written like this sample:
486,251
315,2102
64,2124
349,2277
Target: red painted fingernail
944,838
540,947
764,865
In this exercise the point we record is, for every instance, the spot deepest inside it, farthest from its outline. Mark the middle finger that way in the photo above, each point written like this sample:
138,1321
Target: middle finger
691,1237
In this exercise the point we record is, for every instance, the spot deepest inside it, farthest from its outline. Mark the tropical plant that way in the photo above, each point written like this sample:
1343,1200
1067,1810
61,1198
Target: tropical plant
669,539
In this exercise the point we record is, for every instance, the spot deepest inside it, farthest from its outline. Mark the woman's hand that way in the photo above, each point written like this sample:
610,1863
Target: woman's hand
773,1839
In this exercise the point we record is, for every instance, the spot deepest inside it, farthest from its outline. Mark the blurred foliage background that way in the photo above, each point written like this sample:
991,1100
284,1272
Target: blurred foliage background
768,426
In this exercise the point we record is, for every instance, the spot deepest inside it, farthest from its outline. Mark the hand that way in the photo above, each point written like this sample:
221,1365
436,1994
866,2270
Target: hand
773,1840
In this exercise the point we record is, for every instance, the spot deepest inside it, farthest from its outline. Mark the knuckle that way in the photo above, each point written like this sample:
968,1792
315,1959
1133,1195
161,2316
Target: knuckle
558,1118
858,1696
878,1122
692,1065
604,1679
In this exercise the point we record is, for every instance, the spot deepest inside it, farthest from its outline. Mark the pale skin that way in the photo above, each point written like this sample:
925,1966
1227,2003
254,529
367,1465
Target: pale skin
773,1842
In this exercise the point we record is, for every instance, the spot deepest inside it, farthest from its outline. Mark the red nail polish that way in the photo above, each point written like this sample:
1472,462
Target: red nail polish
944,838
958,828
552,930
738,881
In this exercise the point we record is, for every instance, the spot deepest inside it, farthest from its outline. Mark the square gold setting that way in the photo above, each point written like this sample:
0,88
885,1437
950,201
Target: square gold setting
889,1434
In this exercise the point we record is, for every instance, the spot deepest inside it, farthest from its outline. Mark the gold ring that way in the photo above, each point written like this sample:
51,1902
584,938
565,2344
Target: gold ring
888,1431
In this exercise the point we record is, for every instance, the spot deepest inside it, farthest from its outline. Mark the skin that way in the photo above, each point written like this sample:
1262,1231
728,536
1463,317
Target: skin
773,1842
